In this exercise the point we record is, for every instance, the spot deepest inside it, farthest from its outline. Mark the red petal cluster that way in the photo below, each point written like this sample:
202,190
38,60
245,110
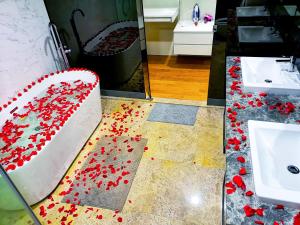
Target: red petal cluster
230,188
238,180
249,211
232,71
283,108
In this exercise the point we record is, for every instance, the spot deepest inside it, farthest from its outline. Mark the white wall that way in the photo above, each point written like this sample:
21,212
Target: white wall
206,6
160,3
26,46
159,37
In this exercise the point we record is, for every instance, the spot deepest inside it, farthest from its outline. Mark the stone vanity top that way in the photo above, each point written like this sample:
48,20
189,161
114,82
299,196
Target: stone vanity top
241,204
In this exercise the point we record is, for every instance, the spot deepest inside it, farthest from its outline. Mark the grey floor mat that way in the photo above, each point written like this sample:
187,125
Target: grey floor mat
113,163
172,113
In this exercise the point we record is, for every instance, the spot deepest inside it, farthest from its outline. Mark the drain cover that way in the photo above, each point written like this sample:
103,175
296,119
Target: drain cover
293,169
268,81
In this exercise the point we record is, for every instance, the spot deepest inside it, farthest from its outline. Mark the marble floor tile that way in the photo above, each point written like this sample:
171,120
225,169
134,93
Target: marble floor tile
209,152
179,178
185,191
170,141
210,117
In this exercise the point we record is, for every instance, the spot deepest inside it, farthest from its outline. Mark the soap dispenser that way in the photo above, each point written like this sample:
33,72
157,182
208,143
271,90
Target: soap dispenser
196,14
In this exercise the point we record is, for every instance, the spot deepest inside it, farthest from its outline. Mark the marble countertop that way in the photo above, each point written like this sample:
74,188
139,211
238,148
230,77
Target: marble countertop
241,204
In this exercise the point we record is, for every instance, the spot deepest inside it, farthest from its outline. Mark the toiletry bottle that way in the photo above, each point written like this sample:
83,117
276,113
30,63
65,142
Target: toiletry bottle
196,14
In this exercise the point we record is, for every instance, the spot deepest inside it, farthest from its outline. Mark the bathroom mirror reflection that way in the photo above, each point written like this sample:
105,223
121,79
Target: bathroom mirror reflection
103,36
179,38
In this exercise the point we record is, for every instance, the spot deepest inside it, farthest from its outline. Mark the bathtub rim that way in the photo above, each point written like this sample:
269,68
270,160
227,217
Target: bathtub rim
7,106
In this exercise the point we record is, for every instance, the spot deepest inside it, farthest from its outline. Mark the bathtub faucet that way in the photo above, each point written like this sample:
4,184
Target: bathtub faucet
74,27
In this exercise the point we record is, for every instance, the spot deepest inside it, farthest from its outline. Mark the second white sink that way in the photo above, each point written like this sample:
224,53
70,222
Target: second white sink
262,74
275,153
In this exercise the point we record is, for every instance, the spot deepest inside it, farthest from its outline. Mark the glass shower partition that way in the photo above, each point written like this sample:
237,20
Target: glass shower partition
105,36
10,198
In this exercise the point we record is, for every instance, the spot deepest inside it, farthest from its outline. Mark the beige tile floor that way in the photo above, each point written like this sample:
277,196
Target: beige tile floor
179,179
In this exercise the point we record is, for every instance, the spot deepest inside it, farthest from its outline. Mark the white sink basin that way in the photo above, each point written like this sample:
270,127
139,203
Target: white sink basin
274,148
262,74
251,11
292,10
258,35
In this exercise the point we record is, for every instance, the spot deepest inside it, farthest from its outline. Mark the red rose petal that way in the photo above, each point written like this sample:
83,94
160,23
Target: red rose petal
297,219
243,171
238,180
230,185
99,217
260,211
249,193
244,138
241,159
249,211
230,191
279,207
51,206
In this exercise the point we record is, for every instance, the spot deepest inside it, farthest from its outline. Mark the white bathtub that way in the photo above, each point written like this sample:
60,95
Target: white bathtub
37,178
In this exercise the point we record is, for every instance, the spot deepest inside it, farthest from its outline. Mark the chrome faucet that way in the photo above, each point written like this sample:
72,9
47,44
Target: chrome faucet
292,64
